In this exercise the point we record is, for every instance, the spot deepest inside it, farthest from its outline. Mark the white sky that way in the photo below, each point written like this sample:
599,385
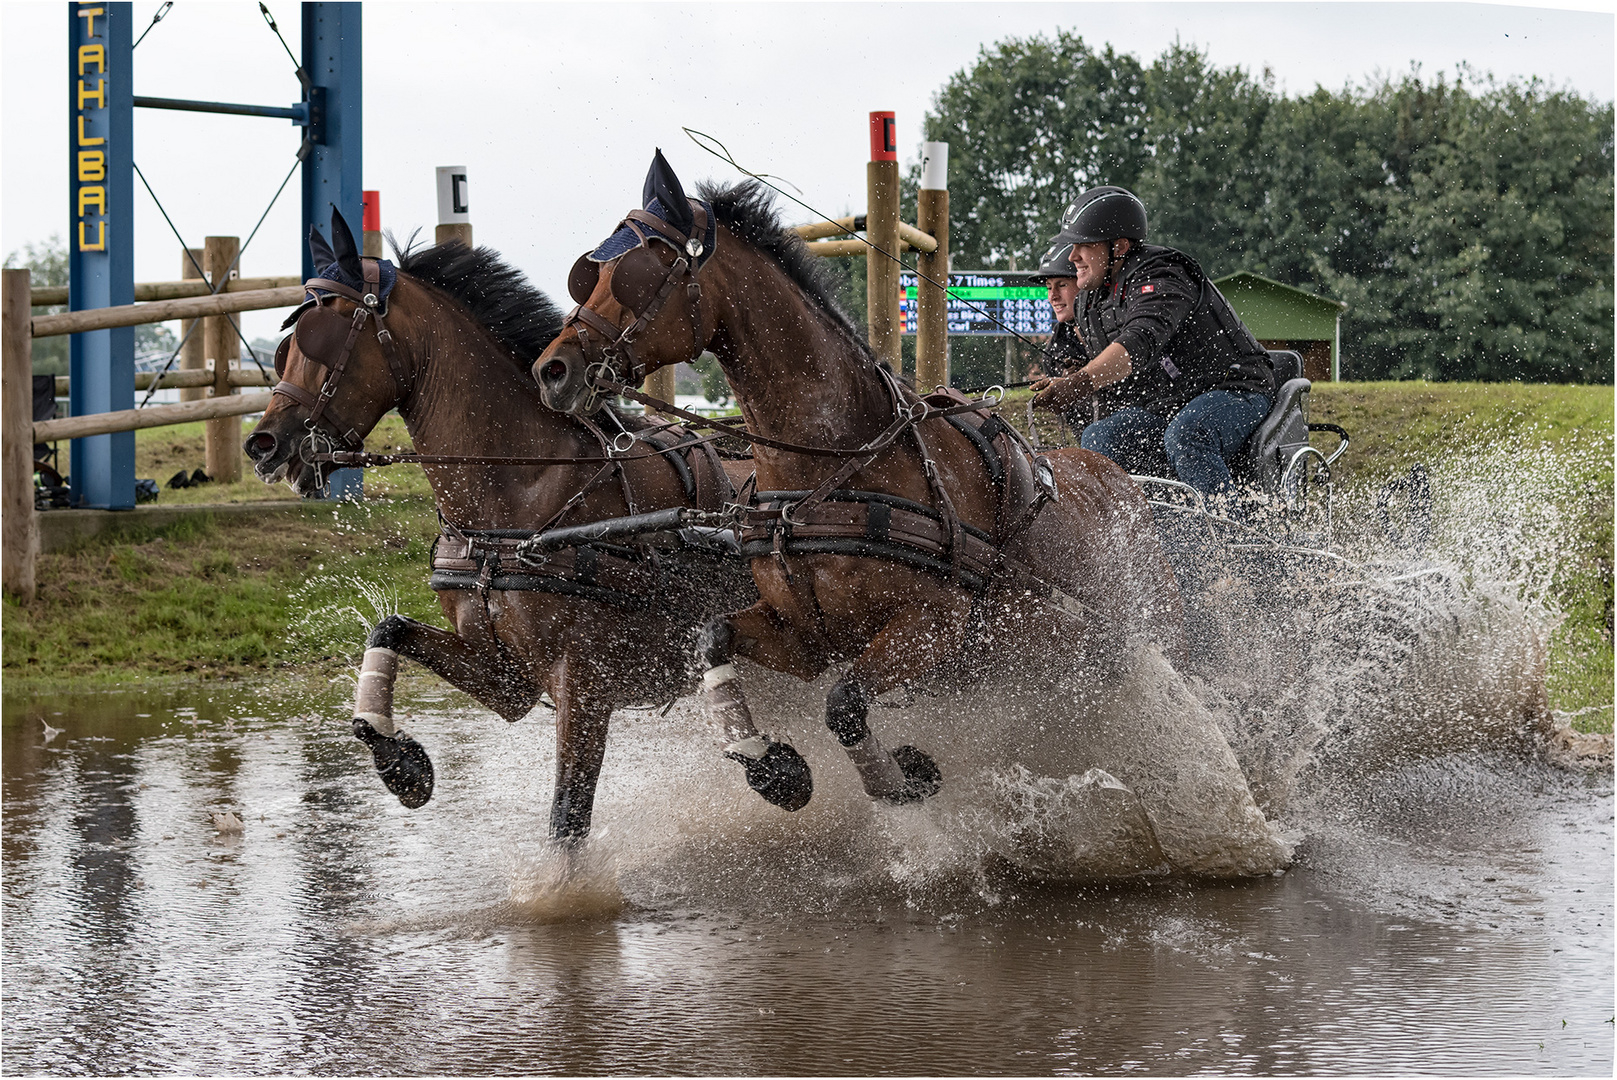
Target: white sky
555,108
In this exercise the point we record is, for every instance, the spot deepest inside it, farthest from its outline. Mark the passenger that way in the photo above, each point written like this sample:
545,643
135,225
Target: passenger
1144,332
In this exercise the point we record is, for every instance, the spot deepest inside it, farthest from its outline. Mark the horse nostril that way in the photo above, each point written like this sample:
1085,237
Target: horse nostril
260,444
553,371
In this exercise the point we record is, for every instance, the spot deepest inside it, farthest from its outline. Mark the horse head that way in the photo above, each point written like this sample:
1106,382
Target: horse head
338,371
639,296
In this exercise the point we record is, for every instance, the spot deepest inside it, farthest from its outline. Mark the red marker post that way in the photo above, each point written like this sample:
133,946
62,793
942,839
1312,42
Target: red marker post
881,229
371,225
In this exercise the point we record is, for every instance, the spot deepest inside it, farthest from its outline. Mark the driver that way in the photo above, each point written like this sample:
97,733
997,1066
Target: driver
1178,380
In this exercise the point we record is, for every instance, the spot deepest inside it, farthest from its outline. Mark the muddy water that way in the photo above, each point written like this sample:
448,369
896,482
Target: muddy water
1448,915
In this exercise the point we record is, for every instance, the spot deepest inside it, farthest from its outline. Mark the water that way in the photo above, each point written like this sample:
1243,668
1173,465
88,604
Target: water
1330,848
1448,913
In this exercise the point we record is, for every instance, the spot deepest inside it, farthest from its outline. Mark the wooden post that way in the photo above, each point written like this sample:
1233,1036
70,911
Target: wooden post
19,532
881,228
454,206
1012,368
660,383
221,440
193,353
370,243
932,301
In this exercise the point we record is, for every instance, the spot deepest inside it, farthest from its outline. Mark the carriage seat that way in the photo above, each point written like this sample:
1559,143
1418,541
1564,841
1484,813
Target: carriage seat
1284,431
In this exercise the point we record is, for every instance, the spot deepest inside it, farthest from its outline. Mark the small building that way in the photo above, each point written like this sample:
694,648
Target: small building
1283,317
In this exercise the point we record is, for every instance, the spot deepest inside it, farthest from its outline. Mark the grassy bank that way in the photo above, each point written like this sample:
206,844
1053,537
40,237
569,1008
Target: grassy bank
215,598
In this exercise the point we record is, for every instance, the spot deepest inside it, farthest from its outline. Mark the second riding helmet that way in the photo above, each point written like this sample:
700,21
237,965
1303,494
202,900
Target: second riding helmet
1103,213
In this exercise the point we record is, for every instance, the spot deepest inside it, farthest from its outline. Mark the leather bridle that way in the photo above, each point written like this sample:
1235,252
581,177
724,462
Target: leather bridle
370,305
609,351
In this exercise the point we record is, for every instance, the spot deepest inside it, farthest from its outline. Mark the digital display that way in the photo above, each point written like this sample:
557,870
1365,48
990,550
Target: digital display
978,297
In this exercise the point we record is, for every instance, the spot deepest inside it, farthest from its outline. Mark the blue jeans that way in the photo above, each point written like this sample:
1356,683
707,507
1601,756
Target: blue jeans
1197,443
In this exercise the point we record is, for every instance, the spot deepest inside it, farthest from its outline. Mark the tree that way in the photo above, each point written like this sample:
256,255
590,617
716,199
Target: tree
48,266
1467,225
1030,125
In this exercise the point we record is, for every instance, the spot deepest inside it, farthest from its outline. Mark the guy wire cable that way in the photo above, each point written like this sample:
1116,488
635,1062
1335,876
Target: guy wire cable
725,156
215,286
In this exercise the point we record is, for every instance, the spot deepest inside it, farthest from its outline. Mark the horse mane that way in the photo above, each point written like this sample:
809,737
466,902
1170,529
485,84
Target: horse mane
748,210
499,296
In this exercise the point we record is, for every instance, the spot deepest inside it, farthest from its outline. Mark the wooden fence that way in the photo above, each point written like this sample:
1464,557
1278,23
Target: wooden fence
19,531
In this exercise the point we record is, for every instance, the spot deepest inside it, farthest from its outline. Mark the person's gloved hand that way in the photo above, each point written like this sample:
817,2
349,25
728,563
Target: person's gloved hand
1060,395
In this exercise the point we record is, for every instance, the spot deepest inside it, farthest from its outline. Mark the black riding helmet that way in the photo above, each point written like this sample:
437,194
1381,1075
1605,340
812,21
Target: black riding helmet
1103,213
1057,262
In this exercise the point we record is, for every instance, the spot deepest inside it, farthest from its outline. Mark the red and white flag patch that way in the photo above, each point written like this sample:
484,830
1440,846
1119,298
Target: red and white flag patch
1147,288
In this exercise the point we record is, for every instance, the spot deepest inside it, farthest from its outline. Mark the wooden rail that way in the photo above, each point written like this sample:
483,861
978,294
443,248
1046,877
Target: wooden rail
147,291
185,379
192,307
81,427
909,237
19,531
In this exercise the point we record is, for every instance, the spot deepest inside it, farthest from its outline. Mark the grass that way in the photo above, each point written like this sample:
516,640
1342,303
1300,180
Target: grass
212,597
1396,424
228,597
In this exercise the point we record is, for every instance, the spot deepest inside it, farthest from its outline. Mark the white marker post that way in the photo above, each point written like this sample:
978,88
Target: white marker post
932,301
454,206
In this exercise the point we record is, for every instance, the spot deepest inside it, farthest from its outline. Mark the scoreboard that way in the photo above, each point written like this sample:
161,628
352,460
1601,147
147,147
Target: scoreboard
1013,298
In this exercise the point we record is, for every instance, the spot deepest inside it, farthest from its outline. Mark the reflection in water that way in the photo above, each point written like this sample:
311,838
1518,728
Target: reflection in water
1446,916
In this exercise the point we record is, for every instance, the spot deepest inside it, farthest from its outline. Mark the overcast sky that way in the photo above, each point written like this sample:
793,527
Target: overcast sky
555,108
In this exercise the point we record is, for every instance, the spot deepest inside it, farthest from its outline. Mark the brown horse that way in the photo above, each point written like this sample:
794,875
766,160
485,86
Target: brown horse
728,278
597,626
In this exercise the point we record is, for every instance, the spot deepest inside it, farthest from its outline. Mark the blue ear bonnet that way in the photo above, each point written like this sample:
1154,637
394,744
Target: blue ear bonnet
625,239
388,272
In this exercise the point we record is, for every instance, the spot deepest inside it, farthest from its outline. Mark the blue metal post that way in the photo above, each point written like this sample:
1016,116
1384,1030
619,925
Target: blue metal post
101,235
333,171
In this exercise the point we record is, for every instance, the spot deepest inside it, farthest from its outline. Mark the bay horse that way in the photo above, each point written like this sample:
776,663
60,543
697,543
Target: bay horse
596,627
837,582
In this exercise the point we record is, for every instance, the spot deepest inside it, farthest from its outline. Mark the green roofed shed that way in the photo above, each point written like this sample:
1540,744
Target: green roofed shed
1283,317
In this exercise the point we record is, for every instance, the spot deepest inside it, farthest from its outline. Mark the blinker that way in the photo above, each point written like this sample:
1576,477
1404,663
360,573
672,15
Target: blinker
582,279
321,333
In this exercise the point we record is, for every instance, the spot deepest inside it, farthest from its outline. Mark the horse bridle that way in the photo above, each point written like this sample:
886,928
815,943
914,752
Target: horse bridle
609,350
312,342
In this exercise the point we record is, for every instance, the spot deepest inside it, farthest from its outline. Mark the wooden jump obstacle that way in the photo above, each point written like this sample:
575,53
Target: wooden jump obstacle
884,229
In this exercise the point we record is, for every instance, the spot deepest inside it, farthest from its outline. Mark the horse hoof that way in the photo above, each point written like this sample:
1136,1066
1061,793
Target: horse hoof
922,777
781,775
401,762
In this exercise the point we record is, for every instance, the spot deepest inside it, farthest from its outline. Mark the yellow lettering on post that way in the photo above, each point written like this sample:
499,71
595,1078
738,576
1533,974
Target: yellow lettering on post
92,54
89,14
101,237
88,140
92,165
98,95
92,194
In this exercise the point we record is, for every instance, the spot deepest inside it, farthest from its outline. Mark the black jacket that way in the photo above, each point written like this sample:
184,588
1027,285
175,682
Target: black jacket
1182,336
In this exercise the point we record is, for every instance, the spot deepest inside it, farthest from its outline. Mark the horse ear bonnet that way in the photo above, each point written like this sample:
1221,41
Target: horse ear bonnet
663,187
342,242
340,262
662,196
320,251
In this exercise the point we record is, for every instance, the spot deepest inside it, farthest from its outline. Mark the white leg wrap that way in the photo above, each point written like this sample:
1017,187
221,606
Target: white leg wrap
373,698
878,772
754,748
722,674
726,704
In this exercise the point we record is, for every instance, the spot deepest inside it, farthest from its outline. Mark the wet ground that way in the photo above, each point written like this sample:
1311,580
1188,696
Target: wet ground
1450,916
